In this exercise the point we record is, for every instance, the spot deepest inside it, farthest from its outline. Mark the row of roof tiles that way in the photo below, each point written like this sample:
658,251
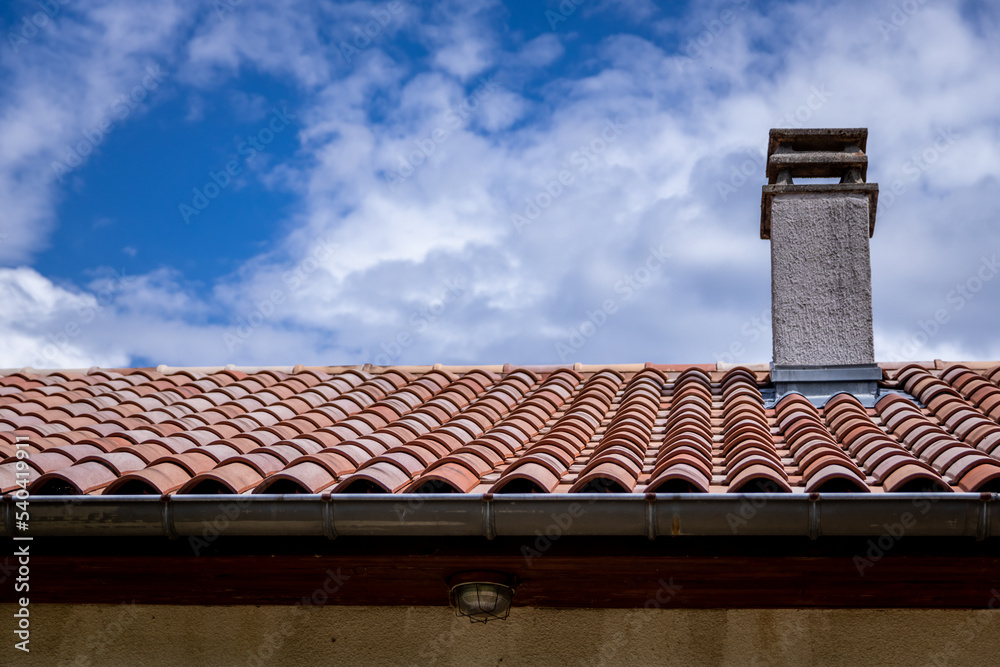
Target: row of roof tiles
479,430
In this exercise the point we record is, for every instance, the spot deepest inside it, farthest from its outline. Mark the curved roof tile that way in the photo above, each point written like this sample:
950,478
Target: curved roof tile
544,429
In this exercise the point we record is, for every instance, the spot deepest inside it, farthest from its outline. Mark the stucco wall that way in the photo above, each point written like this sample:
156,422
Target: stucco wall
821,288
157,635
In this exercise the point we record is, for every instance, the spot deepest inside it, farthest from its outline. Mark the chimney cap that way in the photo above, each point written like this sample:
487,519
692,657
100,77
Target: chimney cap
818,139
818,153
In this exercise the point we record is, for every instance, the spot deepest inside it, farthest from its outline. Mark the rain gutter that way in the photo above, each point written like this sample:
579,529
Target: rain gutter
509,515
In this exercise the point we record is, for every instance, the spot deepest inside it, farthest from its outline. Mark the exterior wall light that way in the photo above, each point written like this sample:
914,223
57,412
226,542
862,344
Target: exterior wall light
482,596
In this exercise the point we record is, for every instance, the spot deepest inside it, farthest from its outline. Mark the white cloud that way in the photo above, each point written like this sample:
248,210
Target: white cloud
280,39
58,88
665,171
45,325
539,52
460,38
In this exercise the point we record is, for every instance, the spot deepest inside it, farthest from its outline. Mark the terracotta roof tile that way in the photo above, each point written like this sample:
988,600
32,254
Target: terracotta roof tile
627,429
157,479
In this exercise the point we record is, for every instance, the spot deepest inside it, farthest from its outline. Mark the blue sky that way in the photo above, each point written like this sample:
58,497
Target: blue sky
206,183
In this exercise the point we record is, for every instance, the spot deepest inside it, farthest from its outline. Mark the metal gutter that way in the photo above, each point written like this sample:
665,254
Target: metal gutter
513,515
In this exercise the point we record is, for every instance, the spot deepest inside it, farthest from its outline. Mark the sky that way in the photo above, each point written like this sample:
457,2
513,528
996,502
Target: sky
474,182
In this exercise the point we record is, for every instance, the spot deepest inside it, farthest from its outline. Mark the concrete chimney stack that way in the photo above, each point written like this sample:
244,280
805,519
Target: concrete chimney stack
821,288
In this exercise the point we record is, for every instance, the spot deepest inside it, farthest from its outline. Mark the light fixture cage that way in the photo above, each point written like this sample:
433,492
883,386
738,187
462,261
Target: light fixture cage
482,601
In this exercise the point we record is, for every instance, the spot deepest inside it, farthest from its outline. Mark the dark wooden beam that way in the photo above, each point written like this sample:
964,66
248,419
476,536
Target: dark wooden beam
691,573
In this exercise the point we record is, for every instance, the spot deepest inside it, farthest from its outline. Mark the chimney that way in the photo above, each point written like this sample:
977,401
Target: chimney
821,287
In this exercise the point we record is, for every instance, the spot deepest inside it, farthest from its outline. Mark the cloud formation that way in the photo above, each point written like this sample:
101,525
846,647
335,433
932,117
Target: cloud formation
463,193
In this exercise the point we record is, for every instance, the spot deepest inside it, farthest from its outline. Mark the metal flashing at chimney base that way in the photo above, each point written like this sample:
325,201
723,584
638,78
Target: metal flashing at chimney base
821,383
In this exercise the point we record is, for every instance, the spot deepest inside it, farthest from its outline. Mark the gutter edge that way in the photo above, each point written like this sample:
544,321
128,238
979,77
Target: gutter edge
510,515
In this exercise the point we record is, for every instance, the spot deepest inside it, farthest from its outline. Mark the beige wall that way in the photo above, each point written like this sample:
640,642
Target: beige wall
157,635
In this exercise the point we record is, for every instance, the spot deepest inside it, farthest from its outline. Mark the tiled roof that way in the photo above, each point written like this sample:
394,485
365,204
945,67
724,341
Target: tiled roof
632,429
